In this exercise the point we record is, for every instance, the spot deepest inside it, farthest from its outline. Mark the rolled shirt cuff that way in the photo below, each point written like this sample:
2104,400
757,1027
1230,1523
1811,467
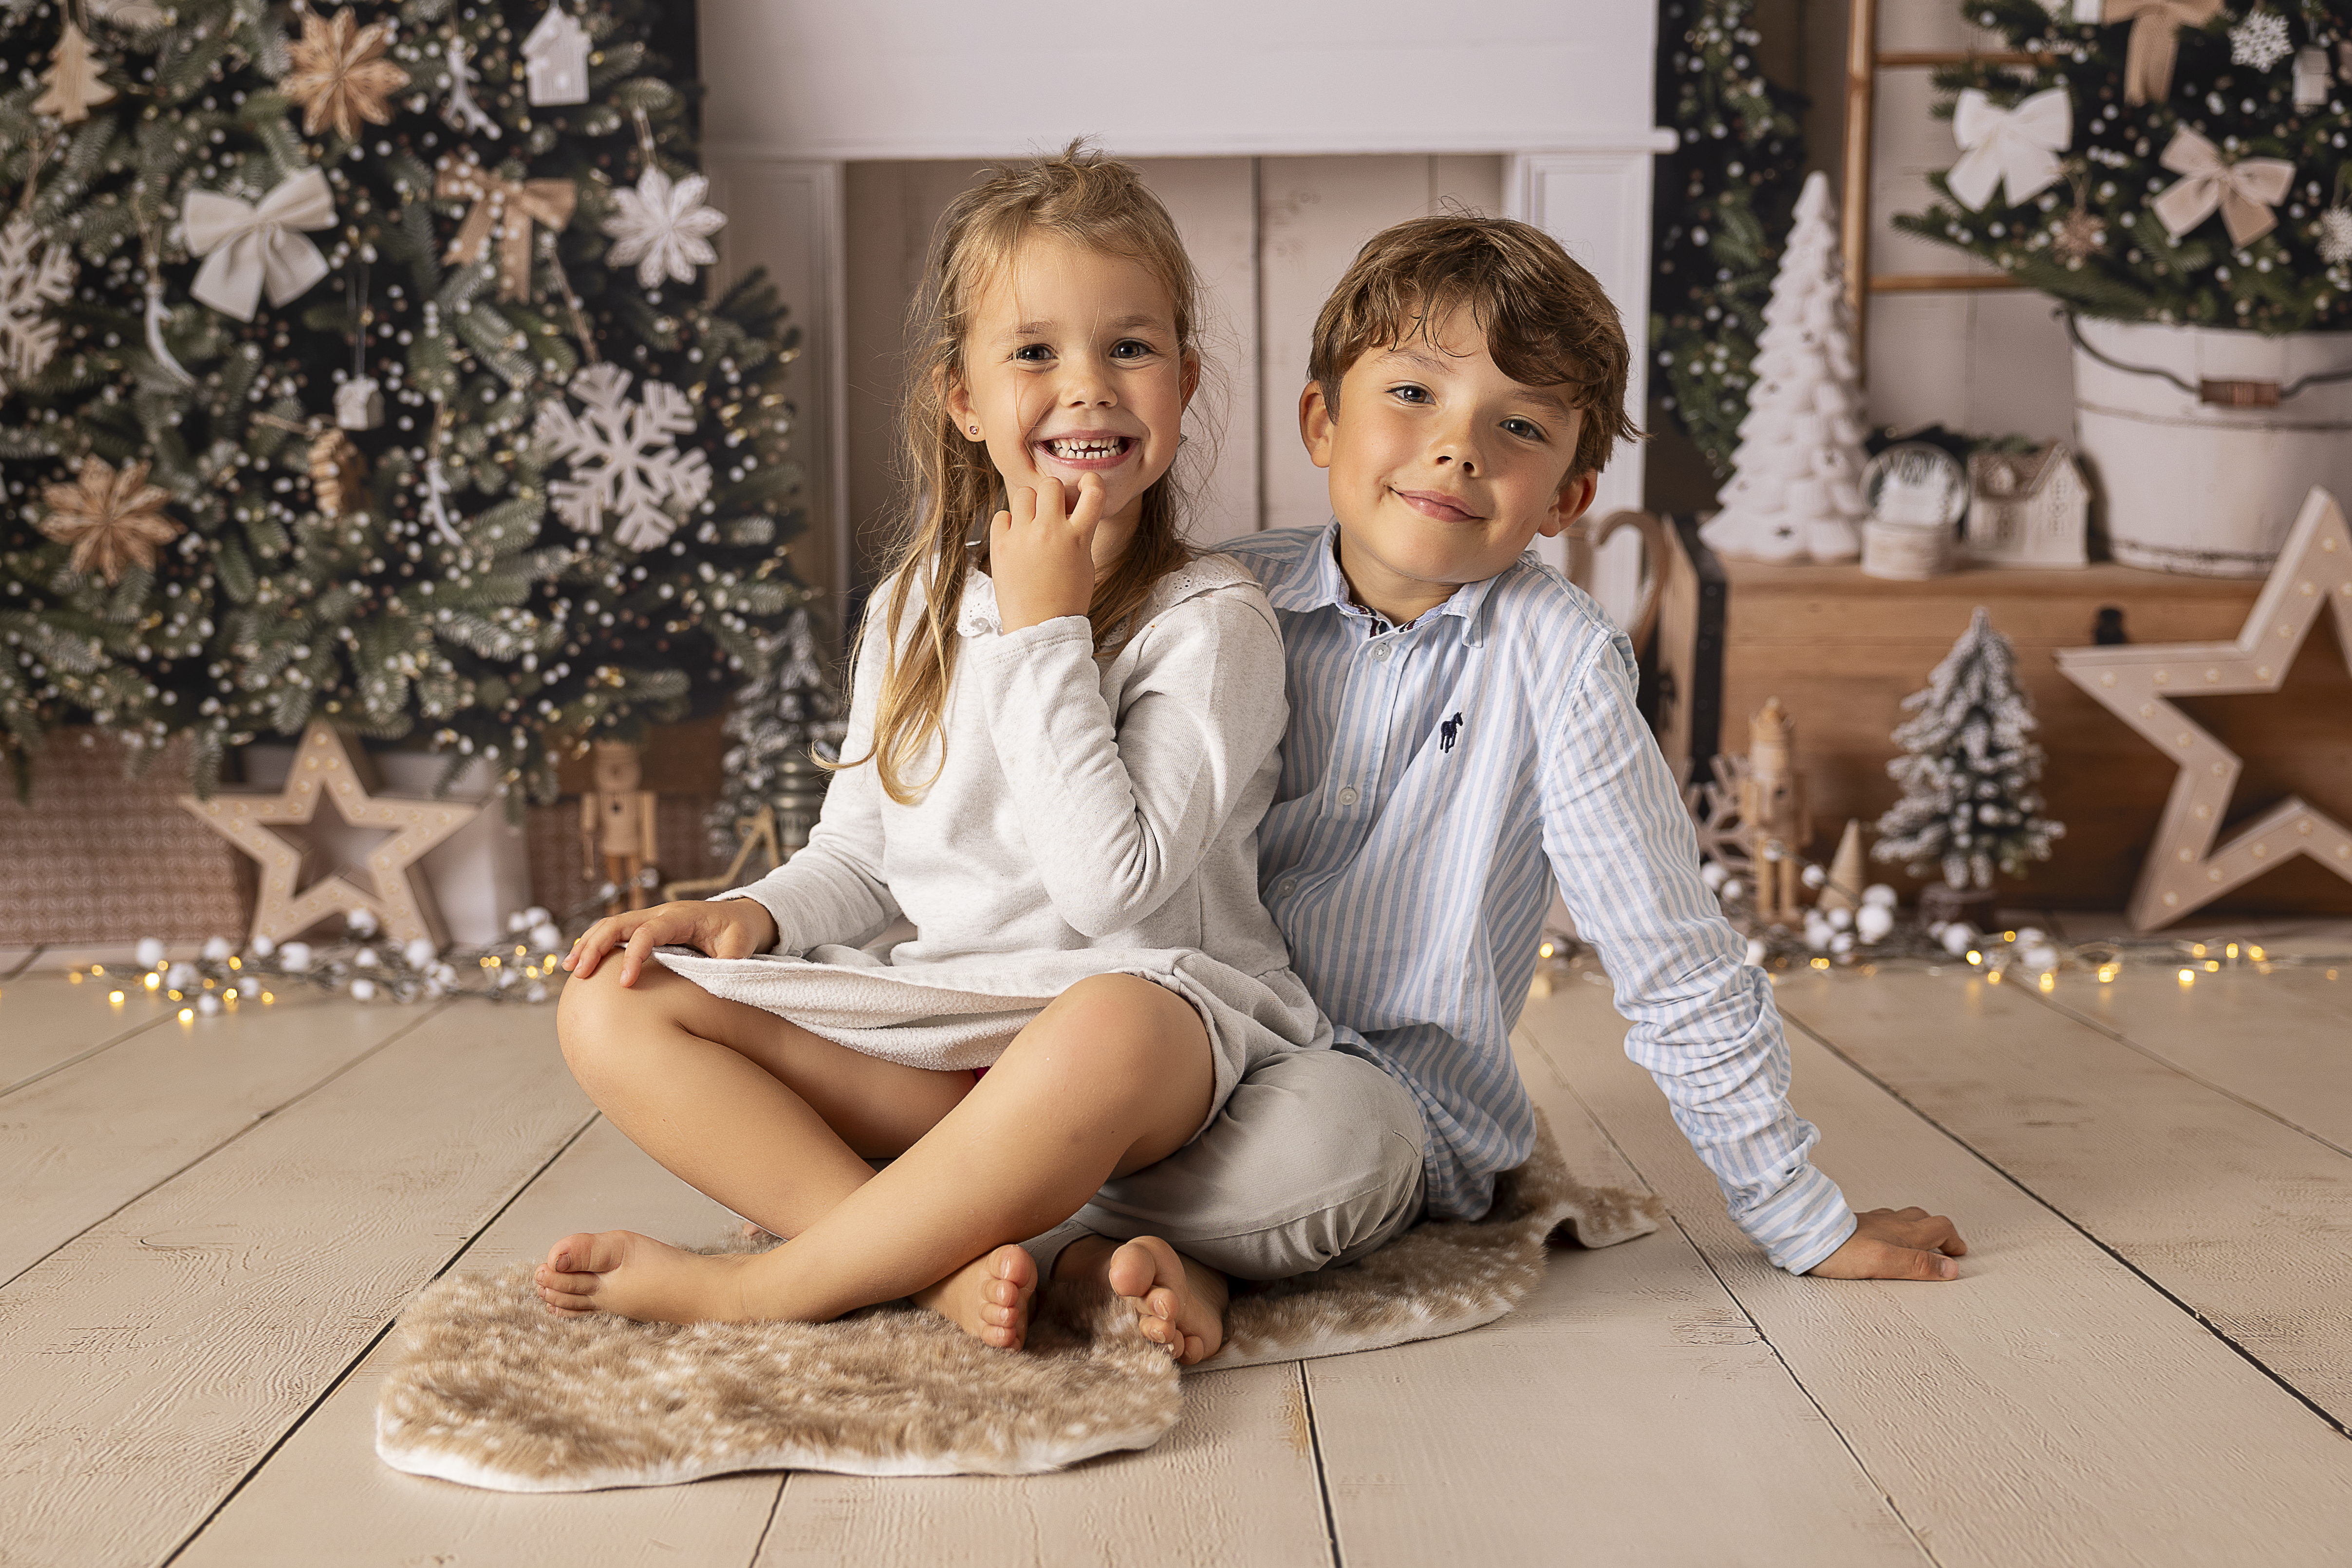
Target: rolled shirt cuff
1801,1223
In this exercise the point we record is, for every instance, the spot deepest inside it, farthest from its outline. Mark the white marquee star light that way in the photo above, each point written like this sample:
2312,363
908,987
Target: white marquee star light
291,898
2138,683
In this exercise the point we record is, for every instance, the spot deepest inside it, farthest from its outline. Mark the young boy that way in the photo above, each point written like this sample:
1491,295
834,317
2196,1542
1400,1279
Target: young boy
1463,734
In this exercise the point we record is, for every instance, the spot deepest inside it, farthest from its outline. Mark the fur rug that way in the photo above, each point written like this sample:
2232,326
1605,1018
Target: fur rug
489,1388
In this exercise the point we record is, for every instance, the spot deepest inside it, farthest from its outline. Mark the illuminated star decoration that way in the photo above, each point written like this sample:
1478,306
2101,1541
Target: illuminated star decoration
664,227
113,522
289,900
339,76
2183,870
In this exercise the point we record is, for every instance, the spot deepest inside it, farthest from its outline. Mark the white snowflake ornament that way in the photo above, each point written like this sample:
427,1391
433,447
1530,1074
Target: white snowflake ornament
625,464
2336,235
34,273
663,228
2260,41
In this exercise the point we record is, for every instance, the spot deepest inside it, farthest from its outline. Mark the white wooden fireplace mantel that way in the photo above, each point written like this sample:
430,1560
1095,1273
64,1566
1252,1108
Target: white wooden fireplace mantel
798,91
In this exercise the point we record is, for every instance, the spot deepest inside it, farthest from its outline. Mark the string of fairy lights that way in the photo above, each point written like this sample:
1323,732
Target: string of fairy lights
359,965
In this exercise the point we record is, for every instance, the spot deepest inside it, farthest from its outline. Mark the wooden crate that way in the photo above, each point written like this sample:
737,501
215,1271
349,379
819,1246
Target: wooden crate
1842,650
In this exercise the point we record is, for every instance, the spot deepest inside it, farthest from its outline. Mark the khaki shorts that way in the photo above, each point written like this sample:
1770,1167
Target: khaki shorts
1315,1160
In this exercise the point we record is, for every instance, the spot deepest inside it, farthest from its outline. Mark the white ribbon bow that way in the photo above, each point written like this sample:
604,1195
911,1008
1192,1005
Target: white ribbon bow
2017,146
247,246
2245,191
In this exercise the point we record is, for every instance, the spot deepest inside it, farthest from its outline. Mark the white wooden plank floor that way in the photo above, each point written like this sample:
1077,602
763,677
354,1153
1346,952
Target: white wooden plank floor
2147,1360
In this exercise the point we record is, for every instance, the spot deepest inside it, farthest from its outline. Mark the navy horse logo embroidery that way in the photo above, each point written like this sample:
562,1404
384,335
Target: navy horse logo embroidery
1448,732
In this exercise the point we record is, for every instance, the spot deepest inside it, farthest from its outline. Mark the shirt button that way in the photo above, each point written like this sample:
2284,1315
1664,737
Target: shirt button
1347,797
1284,890
1382,651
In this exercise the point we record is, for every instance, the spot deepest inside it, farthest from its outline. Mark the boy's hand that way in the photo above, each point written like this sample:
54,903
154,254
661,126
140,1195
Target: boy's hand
728,928
1895,1243
1042,553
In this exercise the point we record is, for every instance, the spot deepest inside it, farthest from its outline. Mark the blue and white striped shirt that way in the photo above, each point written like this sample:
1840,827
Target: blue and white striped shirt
1435,780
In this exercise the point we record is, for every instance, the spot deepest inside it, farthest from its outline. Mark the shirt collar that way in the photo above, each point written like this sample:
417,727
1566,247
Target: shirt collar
1316,582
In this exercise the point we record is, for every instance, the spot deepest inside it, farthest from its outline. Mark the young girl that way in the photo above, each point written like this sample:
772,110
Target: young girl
1062,737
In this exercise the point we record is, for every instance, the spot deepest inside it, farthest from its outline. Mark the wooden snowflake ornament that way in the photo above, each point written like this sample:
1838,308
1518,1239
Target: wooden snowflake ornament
114,521
294,896
2137,684
341,77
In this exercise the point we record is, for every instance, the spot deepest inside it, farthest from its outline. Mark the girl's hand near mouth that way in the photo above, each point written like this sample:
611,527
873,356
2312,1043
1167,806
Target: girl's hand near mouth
1041,553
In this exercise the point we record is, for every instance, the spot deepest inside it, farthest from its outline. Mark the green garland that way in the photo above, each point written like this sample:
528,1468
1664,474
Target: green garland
1722,208
475,616
2092,241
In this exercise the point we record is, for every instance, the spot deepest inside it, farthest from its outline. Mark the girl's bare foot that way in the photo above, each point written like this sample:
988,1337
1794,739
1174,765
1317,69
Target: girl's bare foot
1179,1304
988,1298
635,1276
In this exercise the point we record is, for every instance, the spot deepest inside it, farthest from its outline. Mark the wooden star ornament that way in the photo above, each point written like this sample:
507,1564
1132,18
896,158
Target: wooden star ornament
2184,871
113,521
340,76
294,896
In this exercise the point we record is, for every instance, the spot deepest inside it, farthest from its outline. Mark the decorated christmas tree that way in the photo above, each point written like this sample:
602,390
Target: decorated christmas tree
1968,770
1723,202
1795,491
2185,163
357,364
780,720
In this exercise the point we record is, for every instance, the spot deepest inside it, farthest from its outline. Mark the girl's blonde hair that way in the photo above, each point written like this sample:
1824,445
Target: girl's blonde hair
1087,199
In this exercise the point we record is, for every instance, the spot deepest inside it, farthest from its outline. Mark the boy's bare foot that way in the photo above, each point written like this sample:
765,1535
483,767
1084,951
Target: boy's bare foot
1179,1304
988,1298
635,1276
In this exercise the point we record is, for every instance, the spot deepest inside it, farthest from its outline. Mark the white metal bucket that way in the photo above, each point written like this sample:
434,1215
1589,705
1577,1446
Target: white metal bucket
2203,443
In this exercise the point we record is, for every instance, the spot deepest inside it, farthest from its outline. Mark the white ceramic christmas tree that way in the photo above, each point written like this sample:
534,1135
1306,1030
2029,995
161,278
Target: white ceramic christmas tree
1795,493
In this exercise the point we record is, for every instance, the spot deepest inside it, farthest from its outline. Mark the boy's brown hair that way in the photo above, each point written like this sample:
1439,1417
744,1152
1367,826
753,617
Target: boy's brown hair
1547,320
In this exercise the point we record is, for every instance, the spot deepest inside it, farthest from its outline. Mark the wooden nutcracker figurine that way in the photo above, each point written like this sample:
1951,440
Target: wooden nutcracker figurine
617,824
1772,809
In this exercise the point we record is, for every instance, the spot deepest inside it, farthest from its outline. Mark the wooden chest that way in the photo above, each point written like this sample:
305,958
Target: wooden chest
1842,650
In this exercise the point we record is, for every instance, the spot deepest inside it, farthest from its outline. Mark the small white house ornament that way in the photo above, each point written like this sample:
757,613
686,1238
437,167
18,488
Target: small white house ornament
2028,509
359,404
555,59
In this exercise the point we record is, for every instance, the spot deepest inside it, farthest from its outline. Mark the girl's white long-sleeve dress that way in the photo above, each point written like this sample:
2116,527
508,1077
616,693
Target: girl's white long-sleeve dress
1091,818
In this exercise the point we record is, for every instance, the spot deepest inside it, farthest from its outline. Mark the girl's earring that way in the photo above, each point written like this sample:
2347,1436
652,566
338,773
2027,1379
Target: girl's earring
974,428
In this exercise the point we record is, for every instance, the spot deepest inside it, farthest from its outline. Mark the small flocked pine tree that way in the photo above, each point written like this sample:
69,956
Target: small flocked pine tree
1969,774
1722,202
778,718
1796,491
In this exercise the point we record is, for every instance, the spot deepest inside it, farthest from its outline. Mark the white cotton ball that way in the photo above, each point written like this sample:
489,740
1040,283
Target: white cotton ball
180,976
150,952
508,976
537,915
608,892
538,993
263,947
209,1004
364,958
2031,936
295,957
1958,938
1842,943
546,937
419,952
1713,874
1756,950
216,949
1935,930
1874,922
363,989
1730,888
1840,919
1817,933
1813,875
1878,893
361,922
517,921
445,975
2041,956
